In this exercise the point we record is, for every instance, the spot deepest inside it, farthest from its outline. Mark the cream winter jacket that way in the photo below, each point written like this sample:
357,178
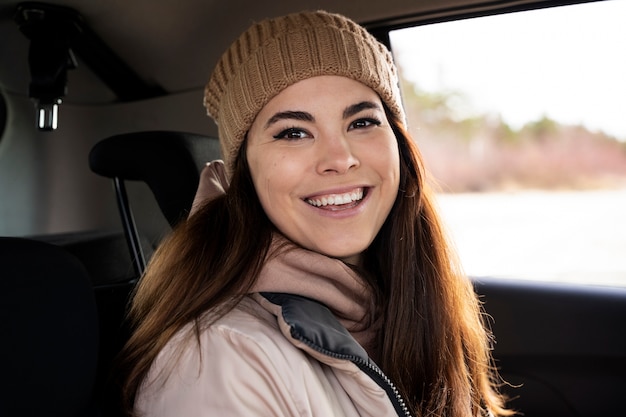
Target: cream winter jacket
273,355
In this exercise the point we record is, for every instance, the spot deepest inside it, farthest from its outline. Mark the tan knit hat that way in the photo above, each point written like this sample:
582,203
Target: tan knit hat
276,53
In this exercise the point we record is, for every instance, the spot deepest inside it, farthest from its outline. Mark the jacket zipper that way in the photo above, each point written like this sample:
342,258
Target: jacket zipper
371,370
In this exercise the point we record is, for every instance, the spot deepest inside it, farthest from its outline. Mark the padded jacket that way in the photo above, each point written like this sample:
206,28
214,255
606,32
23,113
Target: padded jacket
273,355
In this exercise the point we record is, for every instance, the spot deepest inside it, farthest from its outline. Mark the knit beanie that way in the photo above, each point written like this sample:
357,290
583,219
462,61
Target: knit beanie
276,53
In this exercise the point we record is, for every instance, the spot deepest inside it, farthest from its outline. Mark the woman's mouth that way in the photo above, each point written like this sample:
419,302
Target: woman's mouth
337,200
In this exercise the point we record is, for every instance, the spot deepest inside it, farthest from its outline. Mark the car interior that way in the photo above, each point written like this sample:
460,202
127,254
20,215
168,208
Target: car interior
102,139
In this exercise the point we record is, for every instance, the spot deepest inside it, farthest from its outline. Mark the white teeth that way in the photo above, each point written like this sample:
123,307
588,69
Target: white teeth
337,199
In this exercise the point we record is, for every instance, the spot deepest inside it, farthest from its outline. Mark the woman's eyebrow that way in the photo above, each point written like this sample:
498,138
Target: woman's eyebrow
356,108
308,117
294,115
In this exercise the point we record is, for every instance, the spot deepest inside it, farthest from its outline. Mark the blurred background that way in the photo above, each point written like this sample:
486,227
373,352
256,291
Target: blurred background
521,119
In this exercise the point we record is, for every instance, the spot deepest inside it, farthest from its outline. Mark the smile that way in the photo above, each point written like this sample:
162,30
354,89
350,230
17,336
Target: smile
336,199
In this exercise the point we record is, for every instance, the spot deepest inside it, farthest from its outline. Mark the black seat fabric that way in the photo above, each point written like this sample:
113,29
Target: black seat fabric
103,253
49,325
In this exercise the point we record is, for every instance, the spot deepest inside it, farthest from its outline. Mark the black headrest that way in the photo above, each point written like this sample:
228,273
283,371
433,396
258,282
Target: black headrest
49,327
169,162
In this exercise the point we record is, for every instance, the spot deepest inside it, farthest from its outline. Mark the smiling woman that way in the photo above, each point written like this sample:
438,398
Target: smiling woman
315,274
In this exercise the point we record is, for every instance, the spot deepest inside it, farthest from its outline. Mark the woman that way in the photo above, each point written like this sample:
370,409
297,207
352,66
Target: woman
320,283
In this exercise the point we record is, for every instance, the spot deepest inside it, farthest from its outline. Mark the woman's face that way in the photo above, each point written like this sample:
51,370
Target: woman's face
325,165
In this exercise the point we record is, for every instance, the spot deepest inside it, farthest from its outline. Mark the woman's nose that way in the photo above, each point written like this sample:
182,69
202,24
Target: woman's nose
335,154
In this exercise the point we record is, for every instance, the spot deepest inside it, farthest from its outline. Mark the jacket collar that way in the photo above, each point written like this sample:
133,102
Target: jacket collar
312,327
313,324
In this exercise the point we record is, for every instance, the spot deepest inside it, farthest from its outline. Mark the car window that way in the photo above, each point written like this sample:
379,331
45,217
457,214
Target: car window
520,118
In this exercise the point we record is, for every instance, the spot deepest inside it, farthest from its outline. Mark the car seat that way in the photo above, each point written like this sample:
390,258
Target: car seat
170,164
49,325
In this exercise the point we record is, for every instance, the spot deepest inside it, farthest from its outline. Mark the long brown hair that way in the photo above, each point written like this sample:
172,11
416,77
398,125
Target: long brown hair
434,344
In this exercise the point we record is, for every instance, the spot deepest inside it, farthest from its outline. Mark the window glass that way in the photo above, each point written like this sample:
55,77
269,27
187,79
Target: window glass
521,119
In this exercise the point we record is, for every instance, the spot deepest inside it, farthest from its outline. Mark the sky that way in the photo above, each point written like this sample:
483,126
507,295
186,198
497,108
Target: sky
567,63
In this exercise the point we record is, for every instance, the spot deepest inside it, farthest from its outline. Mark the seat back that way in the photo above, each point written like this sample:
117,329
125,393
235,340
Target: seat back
49,327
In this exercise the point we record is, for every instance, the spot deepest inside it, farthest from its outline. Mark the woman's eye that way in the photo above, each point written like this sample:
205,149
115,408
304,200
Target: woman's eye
292,134
363,123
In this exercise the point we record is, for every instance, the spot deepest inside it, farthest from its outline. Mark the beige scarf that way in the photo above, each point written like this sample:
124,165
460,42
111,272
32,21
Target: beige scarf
293,270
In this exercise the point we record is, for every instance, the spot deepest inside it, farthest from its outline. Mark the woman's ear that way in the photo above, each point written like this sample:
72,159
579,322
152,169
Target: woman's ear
213,183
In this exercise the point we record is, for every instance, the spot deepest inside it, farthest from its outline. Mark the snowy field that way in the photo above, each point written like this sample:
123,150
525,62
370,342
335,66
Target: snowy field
577,237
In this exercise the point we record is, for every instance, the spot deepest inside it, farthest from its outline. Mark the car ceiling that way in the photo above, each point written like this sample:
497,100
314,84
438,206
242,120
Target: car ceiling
174,44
